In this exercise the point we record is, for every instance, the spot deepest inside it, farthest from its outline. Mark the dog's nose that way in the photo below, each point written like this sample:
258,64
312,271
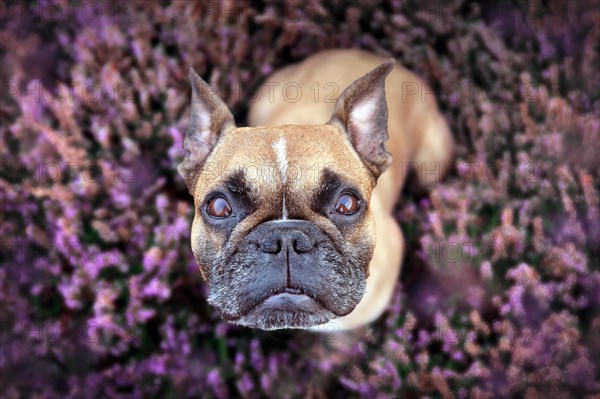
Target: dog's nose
285,238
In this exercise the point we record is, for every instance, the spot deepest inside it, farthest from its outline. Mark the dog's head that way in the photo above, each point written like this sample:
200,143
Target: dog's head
282,229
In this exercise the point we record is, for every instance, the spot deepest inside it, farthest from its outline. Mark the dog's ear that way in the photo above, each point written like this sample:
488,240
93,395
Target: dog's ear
210,119
361,111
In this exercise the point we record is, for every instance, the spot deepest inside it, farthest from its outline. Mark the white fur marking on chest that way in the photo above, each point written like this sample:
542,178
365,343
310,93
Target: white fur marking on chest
282,163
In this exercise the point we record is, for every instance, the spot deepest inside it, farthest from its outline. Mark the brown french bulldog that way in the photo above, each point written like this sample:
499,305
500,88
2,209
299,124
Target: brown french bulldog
293,225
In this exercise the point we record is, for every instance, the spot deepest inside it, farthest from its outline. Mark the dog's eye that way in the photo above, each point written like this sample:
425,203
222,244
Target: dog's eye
346,204
218,207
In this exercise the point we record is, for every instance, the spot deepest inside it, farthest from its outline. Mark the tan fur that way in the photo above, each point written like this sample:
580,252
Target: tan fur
309,148
418,134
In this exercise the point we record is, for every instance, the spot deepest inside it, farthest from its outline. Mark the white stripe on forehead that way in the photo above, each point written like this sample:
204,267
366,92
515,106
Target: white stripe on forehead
281,153
282,163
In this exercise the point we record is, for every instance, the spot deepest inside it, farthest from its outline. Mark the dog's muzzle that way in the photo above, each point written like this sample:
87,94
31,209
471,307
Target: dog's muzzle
287,274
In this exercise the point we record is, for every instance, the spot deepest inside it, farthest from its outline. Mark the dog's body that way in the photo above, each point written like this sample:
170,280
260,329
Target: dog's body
418,136
298,251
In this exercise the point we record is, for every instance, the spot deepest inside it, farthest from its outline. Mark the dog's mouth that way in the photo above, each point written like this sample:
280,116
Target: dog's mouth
287,308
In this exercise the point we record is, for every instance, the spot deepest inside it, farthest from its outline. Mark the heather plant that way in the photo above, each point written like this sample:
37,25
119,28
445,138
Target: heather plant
100,295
